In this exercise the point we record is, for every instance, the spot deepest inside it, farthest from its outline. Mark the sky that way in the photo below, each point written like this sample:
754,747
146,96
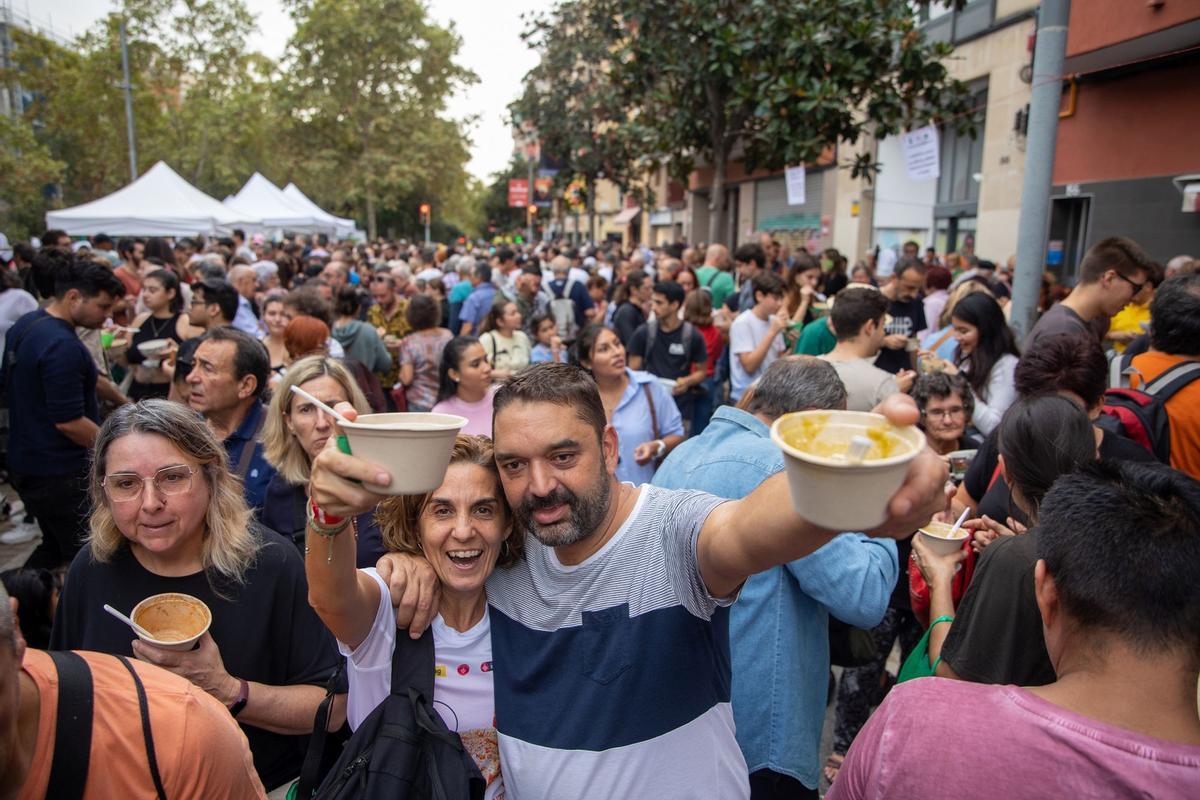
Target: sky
492,48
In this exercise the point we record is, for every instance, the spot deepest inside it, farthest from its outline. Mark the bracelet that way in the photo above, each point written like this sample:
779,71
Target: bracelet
325,524
943,618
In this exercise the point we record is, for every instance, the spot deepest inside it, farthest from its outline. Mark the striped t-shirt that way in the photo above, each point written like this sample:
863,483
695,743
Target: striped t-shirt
612,676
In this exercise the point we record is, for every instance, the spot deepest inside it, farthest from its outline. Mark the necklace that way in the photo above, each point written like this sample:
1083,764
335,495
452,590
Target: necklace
156,331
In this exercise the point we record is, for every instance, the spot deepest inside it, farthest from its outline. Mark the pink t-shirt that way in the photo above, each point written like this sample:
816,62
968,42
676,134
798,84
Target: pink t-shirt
479,415
934,737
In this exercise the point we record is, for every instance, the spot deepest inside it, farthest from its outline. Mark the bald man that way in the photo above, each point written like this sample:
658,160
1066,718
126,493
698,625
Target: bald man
715,275
243,278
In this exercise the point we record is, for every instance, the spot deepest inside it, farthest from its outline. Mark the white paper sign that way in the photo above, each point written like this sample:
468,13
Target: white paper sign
921,153
794,176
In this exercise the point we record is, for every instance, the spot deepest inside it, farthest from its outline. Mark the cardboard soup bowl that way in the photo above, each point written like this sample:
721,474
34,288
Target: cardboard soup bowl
153,347
175,621
413,446
827,490
936,536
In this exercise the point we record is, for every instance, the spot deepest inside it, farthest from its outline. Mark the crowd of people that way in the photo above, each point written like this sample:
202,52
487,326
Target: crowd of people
621,599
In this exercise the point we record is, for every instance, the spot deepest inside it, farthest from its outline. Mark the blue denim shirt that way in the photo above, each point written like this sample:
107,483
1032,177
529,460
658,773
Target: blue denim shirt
779,627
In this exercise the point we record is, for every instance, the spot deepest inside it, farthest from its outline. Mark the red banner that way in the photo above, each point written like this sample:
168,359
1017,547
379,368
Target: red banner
518,192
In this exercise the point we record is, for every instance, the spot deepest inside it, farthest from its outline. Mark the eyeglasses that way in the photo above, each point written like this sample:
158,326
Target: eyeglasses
124,487
1137,287
938,413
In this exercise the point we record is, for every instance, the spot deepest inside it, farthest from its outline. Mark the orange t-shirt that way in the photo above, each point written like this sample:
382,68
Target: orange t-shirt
1183,410
200,750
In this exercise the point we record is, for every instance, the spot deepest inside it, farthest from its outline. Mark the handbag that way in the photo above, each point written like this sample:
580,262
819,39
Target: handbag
917,664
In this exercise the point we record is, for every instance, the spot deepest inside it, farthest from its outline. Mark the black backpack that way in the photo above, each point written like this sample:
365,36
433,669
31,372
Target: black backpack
1141,414
402,749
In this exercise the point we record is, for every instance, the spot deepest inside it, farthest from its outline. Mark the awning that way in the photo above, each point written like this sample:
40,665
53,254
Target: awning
626,216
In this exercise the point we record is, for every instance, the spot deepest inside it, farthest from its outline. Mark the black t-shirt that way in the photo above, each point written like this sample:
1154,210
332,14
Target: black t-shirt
265,628
52,380
996,636
626,319
670,357
908,317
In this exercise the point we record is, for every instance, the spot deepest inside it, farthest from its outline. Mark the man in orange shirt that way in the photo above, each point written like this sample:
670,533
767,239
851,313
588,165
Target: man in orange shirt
1175,339
199,751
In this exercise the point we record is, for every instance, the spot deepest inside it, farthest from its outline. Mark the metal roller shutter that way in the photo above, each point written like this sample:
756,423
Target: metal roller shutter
772,212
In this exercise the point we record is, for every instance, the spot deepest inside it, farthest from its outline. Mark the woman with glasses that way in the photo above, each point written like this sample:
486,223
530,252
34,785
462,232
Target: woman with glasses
168,516
946,403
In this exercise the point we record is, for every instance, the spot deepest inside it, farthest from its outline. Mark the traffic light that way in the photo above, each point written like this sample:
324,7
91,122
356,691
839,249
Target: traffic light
425,212
532,211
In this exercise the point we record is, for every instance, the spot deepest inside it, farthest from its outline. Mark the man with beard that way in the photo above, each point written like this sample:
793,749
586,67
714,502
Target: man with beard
611,637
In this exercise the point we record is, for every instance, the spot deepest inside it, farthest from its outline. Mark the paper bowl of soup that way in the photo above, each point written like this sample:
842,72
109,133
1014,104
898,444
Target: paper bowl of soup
937,536
827,489
414,447
153,347
174,621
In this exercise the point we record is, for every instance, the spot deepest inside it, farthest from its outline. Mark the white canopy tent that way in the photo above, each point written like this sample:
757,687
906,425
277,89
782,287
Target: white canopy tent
261,203
344,227
159,203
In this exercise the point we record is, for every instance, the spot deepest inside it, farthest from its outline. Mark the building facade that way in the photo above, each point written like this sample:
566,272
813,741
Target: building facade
1126,159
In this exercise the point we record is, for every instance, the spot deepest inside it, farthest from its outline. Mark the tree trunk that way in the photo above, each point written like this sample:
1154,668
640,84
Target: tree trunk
370,214
591,209
716,200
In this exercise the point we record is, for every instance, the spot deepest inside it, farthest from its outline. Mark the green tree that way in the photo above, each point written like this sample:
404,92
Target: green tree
571,100
198,97
365,86
29,170
781,80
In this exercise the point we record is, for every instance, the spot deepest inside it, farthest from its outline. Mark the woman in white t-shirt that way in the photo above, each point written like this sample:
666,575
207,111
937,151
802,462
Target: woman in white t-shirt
987,354
464,529
507,346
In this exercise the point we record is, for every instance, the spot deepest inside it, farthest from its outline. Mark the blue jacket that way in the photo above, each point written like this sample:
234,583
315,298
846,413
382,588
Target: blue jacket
779,627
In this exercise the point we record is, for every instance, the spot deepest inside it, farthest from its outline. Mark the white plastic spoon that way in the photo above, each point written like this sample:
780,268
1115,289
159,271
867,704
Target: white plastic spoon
320,405
957,525
138,629
859,447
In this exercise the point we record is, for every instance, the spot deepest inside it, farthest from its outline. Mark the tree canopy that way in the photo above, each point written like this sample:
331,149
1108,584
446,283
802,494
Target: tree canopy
355,114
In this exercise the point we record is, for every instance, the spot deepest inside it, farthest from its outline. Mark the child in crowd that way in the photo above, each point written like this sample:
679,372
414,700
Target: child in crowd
547,345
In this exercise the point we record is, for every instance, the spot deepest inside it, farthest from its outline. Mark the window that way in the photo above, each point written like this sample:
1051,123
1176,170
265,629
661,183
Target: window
941,23
962,163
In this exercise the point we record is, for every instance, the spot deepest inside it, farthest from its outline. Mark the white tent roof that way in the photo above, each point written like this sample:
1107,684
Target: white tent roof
345,227
159,203
262,202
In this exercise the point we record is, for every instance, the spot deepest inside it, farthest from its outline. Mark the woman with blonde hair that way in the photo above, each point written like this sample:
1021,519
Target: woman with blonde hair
295,431
168,516
464,528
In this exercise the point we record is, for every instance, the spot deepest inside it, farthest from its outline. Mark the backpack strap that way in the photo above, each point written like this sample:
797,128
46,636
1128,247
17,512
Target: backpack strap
1164,387
310,770
716,273
147,734
73,726
243,465
653,413
1119,370
413,664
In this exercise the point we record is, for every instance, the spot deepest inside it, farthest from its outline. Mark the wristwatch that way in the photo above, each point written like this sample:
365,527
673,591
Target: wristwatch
242,696
662,448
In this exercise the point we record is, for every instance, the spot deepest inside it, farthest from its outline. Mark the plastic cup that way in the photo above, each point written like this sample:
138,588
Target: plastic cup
960,460
106,339
936,535
413,446
826,489
174,621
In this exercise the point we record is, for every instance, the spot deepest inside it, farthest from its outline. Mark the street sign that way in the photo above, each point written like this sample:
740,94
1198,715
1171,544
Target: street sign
518,192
